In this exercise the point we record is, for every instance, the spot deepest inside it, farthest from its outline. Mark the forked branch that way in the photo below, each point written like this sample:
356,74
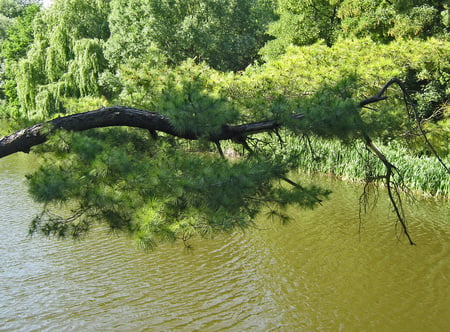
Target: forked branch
411,108
390,169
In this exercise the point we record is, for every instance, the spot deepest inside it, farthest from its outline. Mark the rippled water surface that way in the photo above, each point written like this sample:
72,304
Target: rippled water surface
317,273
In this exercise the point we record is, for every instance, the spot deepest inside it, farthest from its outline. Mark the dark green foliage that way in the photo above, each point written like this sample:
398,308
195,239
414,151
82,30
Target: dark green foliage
302,23
225,34
19,35
130,41
153,191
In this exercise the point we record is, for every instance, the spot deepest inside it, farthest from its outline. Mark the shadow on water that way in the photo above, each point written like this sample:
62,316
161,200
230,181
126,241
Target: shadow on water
316,273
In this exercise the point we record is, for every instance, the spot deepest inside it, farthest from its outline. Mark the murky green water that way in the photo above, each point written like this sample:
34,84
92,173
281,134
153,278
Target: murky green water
315,274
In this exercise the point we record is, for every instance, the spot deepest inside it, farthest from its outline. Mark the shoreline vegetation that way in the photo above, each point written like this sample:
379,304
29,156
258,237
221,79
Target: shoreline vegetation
346,162
423,175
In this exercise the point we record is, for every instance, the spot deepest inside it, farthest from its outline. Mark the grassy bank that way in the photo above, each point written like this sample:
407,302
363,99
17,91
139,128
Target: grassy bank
353,162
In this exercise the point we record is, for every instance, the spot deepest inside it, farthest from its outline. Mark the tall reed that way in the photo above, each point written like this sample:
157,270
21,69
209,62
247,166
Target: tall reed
354,162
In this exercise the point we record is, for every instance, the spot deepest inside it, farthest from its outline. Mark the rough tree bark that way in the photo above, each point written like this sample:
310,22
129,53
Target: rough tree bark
23,140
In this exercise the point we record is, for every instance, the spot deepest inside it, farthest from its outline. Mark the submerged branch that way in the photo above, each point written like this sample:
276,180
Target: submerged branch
392,187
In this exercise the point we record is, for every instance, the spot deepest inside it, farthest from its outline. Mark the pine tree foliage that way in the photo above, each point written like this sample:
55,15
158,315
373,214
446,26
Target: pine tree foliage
155,190
295,77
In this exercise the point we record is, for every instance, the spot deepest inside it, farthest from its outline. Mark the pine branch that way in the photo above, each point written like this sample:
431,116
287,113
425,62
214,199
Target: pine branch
23,140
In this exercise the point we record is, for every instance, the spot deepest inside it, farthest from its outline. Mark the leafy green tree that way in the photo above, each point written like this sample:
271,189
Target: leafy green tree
131,32
20,34
388,20
305,22
225,34
16,30
302,23
5,23
65,58
12,9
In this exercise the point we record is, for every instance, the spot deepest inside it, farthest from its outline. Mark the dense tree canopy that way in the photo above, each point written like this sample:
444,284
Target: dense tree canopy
306,22
225,34
210,132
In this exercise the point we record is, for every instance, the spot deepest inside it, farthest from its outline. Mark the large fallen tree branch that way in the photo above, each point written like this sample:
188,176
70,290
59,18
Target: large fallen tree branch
25,139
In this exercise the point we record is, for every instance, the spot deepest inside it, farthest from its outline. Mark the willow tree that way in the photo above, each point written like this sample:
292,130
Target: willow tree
64,59
16,35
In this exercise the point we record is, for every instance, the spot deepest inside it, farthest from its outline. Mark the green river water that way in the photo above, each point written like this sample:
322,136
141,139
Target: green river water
318,273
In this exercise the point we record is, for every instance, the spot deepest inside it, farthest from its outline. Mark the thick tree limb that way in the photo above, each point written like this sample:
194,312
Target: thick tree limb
25,139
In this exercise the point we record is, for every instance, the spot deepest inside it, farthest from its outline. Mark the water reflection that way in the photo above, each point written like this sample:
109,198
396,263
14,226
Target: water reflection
317,273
